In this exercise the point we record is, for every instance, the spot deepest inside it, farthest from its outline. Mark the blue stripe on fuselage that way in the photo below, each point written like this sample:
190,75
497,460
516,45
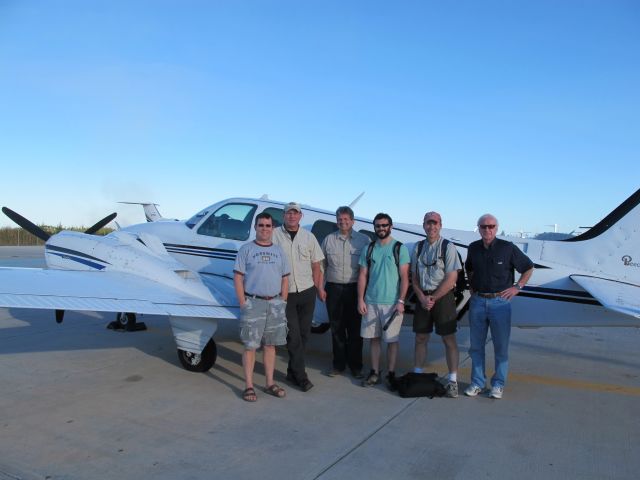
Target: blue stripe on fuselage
84,261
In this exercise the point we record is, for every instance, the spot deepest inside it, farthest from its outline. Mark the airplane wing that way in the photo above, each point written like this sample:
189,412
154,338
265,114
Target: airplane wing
105,291
617,296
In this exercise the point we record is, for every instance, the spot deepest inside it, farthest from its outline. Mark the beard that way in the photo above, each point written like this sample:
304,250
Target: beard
382,234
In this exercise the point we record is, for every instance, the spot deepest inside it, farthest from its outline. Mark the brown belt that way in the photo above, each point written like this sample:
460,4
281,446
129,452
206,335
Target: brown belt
488,295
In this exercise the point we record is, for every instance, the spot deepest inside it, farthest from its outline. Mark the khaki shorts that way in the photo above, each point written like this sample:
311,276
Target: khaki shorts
263,322
376,317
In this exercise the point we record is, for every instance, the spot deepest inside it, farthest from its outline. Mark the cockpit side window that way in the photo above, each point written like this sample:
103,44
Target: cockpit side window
322,228
277,214
232,221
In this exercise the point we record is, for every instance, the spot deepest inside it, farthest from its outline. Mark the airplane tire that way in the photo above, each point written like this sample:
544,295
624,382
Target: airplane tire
126,321
199,363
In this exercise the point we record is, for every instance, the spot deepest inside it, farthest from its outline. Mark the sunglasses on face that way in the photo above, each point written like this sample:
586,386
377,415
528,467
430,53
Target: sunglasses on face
264,225
487,227
431,222
381,225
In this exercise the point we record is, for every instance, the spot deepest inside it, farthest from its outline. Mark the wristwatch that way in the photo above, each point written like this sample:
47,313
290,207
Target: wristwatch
517,285
400,301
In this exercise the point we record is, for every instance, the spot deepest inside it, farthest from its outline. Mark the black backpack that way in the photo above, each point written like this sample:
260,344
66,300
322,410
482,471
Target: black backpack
461,282
419,385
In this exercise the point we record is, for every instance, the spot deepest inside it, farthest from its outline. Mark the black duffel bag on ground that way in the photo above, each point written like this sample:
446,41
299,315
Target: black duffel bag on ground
419,385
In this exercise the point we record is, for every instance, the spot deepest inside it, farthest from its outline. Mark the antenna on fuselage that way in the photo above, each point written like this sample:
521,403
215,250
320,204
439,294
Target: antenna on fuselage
352,204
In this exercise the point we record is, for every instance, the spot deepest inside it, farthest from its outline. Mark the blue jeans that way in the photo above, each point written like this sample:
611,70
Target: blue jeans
494,314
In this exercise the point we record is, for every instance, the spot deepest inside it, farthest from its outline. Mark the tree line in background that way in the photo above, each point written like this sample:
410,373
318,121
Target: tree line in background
10,236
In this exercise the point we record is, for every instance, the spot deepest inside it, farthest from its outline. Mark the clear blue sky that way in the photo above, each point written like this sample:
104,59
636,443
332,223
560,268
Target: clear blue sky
529,110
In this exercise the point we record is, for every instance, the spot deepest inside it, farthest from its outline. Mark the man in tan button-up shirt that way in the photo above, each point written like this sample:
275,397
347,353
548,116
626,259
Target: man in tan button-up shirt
304,254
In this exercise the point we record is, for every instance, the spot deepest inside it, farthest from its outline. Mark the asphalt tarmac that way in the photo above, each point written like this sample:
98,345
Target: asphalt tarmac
79,401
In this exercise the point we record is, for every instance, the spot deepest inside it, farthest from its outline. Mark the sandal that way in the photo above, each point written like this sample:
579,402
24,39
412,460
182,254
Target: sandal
276,390
249,395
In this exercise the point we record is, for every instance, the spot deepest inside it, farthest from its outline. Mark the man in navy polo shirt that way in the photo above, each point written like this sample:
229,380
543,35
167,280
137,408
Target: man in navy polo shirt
490,266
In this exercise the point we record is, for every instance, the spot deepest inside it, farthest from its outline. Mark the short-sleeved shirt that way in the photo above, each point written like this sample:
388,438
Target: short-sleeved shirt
491,269
383,287
301,252
432,266
263,268
342,253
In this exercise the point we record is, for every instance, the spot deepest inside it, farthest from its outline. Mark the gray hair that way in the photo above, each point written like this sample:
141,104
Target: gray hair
343,211
487,215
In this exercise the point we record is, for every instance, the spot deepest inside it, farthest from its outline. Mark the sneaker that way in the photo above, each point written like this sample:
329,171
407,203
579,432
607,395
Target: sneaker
390,381
496,392
357,374
334,372
451,389
372,379
472,390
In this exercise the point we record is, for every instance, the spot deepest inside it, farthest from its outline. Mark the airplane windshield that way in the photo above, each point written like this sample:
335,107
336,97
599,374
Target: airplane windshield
193,221
231,221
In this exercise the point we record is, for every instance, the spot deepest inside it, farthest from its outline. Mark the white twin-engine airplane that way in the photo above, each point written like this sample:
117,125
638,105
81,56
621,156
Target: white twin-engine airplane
183,269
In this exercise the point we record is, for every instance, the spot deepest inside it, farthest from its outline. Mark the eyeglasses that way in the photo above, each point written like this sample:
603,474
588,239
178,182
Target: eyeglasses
485,227
431,222
264,225
382,225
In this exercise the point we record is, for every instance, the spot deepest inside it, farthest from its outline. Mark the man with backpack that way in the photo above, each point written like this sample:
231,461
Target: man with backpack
434,271
383,282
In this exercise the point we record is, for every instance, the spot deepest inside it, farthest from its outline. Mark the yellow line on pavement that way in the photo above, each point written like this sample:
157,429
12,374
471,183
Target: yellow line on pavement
575,384
551,381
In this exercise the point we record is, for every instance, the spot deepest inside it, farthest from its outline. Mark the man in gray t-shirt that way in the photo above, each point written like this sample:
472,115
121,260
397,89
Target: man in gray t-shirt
260,276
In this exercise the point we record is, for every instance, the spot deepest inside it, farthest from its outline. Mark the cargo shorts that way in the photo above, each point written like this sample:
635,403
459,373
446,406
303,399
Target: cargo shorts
263,322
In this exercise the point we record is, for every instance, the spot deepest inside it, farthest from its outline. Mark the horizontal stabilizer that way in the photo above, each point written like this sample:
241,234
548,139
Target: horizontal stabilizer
104,292
617,296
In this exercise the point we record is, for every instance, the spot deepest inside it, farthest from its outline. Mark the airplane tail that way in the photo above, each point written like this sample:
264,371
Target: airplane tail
151,213
611,248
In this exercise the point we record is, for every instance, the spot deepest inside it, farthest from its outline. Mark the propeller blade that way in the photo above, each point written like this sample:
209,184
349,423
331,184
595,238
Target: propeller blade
100,224
32,228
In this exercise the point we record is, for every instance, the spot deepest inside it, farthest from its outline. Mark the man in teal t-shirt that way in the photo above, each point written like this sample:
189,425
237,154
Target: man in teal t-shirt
382,286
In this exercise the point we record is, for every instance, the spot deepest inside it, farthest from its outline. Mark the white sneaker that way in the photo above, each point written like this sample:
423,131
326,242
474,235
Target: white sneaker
496,392
472,390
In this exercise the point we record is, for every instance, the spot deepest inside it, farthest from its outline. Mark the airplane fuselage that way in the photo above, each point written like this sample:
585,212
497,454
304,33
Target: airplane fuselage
209,241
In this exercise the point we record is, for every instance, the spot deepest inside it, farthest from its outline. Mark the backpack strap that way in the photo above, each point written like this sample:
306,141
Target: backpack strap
369,252
443,250
396,253
419,247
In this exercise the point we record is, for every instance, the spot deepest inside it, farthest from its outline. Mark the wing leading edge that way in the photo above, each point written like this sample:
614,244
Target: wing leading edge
107,292
614,295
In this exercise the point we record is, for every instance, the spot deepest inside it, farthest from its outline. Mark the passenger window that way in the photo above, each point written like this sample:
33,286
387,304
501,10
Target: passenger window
232,221
322,228
277,214
369,234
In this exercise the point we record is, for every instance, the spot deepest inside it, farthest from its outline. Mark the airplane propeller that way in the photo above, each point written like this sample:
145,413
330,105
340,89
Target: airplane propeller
35,230
100,224
32,228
